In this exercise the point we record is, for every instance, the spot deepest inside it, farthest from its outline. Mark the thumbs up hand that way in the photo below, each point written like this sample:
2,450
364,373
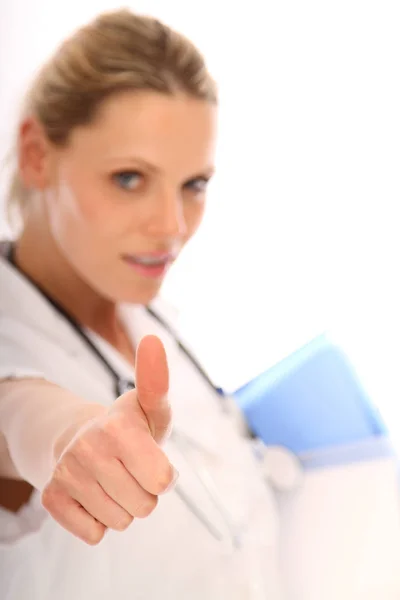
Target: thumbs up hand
113,469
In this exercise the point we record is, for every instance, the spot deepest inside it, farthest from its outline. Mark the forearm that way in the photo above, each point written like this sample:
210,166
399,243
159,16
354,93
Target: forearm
7,468
37,420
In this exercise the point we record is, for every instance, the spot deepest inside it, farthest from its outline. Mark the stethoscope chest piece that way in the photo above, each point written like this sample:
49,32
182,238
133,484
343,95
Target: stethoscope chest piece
123,385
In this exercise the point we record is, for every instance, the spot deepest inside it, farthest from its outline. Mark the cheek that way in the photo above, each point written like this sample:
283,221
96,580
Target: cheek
194,212
83,209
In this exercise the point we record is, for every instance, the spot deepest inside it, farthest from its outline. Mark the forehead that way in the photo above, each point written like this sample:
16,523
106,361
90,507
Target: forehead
154,127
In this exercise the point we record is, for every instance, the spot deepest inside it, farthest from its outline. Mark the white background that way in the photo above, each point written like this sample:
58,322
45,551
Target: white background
302,231
302,228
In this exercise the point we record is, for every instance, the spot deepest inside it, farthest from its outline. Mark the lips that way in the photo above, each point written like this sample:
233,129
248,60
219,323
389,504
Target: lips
152,265
149,260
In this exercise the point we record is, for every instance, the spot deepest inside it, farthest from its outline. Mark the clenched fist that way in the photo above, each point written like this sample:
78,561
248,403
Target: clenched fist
113,469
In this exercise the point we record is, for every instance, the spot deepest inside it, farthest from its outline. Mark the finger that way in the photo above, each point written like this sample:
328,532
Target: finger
119,485
146,462
103,508
152,382
71,516
85,489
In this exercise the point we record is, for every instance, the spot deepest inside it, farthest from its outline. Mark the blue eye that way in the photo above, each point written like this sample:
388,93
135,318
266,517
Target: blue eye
198,185
128,180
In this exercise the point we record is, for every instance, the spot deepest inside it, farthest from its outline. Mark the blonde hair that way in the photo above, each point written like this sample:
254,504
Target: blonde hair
117,51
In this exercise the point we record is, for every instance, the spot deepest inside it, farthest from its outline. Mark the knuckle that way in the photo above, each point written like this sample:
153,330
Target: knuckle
164,480
123,523
61,472
146,508
82,449
48,497
94,535
70,476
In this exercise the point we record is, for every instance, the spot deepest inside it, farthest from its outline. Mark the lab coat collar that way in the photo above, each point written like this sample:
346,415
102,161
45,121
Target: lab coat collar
22,302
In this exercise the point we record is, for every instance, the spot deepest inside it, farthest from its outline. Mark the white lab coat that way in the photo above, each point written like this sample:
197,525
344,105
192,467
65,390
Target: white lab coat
170,554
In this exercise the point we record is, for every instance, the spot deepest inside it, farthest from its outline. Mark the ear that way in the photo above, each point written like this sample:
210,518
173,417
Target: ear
33,155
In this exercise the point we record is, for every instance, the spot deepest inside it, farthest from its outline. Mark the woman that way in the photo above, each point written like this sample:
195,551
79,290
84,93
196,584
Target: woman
115,150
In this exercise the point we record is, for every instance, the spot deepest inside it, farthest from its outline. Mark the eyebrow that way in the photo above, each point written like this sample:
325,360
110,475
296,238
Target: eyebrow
141,163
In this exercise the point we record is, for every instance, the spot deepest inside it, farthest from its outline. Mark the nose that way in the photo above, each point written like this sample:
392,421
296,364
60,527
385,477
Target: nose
167,217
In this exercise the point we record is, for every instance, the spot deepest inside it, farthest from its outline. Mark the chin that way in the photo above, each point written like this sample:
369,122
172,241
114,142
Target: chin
138,294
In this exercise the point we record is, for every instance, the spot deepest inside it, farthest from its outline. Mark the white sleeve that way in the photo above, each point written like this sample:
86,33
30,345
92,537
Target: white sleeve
16,359
34,413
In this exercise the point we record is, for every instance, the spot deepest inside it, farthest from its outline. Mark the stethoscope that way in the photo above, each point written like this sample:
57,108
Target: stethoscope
121,385
183,442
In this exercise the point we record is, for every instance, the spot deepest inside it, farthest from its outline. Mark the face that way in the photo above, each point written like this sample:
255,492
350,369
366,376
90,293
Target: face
128,191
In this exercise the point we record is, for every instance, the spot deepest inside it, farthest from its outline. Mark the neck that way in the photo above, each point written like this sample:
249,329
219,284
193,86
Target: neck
38,256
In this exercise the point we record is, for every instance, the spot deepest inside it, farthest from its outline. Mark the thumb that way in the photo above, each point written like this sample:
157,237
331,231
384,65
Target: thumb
152,382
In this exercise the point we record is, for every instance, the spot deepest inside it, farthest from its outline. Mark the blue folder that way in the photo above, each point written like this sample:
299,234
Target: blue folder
310,401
